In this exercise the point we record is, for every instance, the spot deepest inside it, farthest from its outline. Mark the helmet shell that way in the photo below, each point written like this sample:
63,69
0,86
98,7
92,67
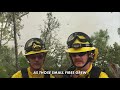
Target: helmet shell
34,45
84,44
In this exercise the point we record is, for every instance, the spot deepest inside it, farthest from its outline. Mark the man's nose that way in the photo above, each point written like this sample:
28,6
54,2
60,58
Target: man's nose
36,58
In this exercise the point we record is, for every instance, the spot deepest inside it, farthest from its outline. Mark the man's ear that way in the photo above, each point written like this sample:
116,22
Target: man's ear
27,60
91,55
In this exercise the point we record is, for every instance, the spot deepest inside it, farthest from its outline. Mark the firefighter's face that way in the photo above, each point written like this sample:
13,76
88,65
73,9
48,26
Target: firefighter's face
79,59
36,60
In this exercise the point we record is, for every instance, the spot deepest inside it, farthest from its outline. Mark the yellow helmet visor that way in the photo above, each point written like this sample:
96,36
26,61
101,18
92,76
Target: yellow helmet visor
78,50
35,52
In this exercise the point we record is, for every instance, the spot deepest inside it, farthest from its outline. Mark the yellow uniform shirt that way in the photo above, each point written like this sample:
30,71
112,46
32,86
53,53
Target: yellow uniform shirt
30,74
102,74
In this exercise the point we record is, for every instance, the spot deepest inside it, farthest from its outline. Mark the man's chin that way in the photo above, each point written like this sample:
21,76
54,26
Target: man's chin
37,68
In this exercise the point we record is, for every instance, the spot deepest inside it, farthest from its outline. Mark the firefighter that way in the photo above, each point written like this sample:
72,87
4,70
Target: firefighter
82,54
35,53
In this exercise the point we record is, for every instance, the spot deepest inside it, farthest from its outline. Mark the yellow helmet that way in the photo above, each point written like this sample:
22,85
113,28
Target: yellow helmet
34,45
80,42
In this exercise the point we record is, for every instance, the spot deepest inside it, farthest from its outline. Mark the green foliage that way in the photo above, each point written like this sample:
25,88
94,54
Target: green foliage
99,40
3,73
7,61
56,55
7,55
107,53
6,26
22,62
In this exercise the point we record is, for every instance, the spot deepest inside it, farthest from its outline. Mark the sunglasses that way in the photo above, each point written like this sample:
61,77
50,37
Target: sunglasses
34,56
78,54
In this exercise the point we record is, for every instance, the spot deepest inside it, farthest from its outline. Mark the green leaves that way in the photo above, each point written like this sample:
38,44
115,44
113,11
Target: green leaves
56,56
6,26
7,55
107,53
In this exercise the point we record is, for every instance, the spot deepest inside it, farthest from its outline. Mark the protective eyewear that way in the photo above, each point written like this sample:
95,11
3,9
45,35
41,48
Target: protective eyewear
34,56
78,54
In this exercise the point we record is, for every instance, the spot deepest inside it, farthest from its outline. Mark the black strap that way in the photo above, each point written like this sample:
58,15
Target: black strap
95,72
72,68
25,74
46,75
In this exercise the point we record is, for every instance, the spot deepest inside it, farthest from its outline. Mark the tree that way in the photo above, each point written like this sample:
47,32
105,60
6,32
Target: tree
115,53
6,26
10,27
56,55
14,17
100,40
107,54
5,32
22,61
118,31
7,61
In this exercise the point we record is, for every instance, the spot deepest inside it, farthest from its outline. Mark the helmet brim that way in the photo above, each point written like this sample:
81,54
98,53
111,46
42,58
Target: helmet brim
78,50
35,52
83,49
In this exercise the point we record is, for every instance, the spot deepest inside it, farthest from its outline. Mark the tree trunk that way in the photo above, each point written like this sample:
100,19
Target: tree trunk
0,38
15,41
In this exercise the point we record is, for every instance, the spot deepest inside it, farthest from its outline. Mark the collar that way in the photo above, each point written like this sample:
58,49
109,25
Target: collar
31,75
87,72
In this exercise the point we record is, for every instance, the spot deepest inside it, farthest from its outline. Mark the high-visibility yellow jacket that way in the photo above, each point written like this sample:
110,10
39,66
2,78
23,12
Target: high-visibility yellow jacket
30,74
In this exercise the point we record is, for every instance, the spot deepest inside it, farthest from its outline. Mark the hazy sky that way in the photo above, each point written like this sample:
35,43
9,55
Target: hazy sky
88,22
